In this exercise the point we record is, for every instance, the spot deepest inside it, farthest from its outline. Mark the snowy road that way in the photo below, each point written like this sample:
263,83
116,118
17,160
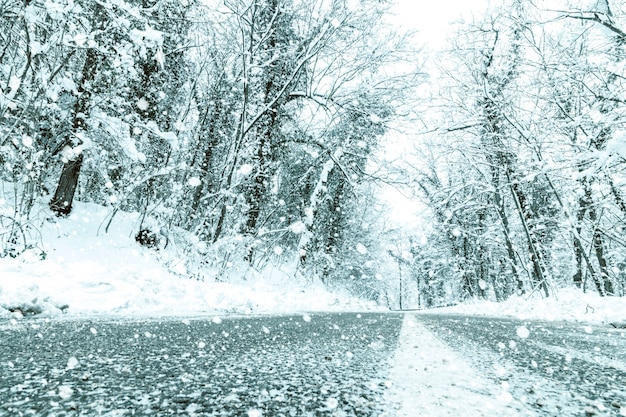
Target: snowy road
553,368
346,364
306,365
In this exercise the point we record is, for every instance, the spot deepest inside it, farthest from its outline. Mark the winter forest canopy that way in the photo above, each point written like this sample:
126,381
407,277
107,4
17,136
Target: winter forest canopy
254,132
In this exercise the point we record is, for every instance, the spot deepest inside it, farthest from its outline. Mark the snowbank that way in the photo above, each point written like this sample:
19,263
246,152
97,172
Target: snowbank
87,272
569,304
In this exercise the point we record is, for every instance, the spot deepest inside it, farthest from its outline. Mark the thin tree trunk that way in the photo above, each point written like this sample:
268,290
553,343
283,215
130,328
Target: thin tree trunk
579,250
401,289
598,244
499,203
206,166
521,203
602,281
334,228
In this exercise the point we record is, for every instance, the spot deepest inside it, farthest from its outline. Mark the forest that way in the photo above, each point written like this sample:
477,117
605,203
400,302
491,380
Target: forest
256,132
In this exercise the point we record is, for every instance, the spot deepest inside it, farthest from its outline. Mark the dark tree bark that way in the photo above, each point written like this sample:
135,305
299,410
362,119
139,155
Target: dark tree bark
602,281
506,229
267,126
207,145
61,202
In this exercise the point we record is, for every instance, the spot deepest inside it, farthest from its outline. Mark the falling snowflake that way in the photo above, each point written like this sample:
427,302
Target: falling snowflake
297,227
194,181
80,39
523,332
65,392
306,318
27,141
245,169
142,104
361,248
332,403
14,83
72,363
500,371
35,48
374,118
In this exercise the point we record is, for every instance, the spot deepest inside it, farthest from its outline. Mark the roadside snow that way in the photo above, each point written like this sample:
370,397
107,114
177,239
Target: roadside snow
427,378
566,304
90,272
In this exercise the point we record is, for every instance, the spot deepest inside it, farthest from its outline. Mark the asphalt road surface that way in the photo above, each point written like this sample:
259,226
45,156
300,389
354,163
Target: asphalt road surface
306,365
556,368
303,365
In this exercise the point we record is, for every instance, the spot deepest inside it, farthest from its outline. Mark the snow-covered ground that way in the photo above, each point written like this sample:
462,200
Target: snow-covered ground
88,271
568,304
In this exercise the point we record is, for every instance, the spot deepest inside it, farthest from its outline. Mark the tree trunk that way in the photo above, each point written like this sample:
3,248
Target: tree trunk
506,229
310,211
63,198
605,280
602,281
258,190
206,170
526,216
335,228
401,289
578,253
61,203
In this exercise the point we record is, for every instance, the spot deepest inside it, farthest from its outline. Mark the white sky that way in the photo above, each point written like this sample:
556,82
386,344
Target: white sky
433,18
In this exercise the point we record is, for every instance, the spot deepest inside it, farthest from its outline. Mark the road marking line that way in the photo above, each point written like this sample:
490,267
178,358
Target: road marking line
430,379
